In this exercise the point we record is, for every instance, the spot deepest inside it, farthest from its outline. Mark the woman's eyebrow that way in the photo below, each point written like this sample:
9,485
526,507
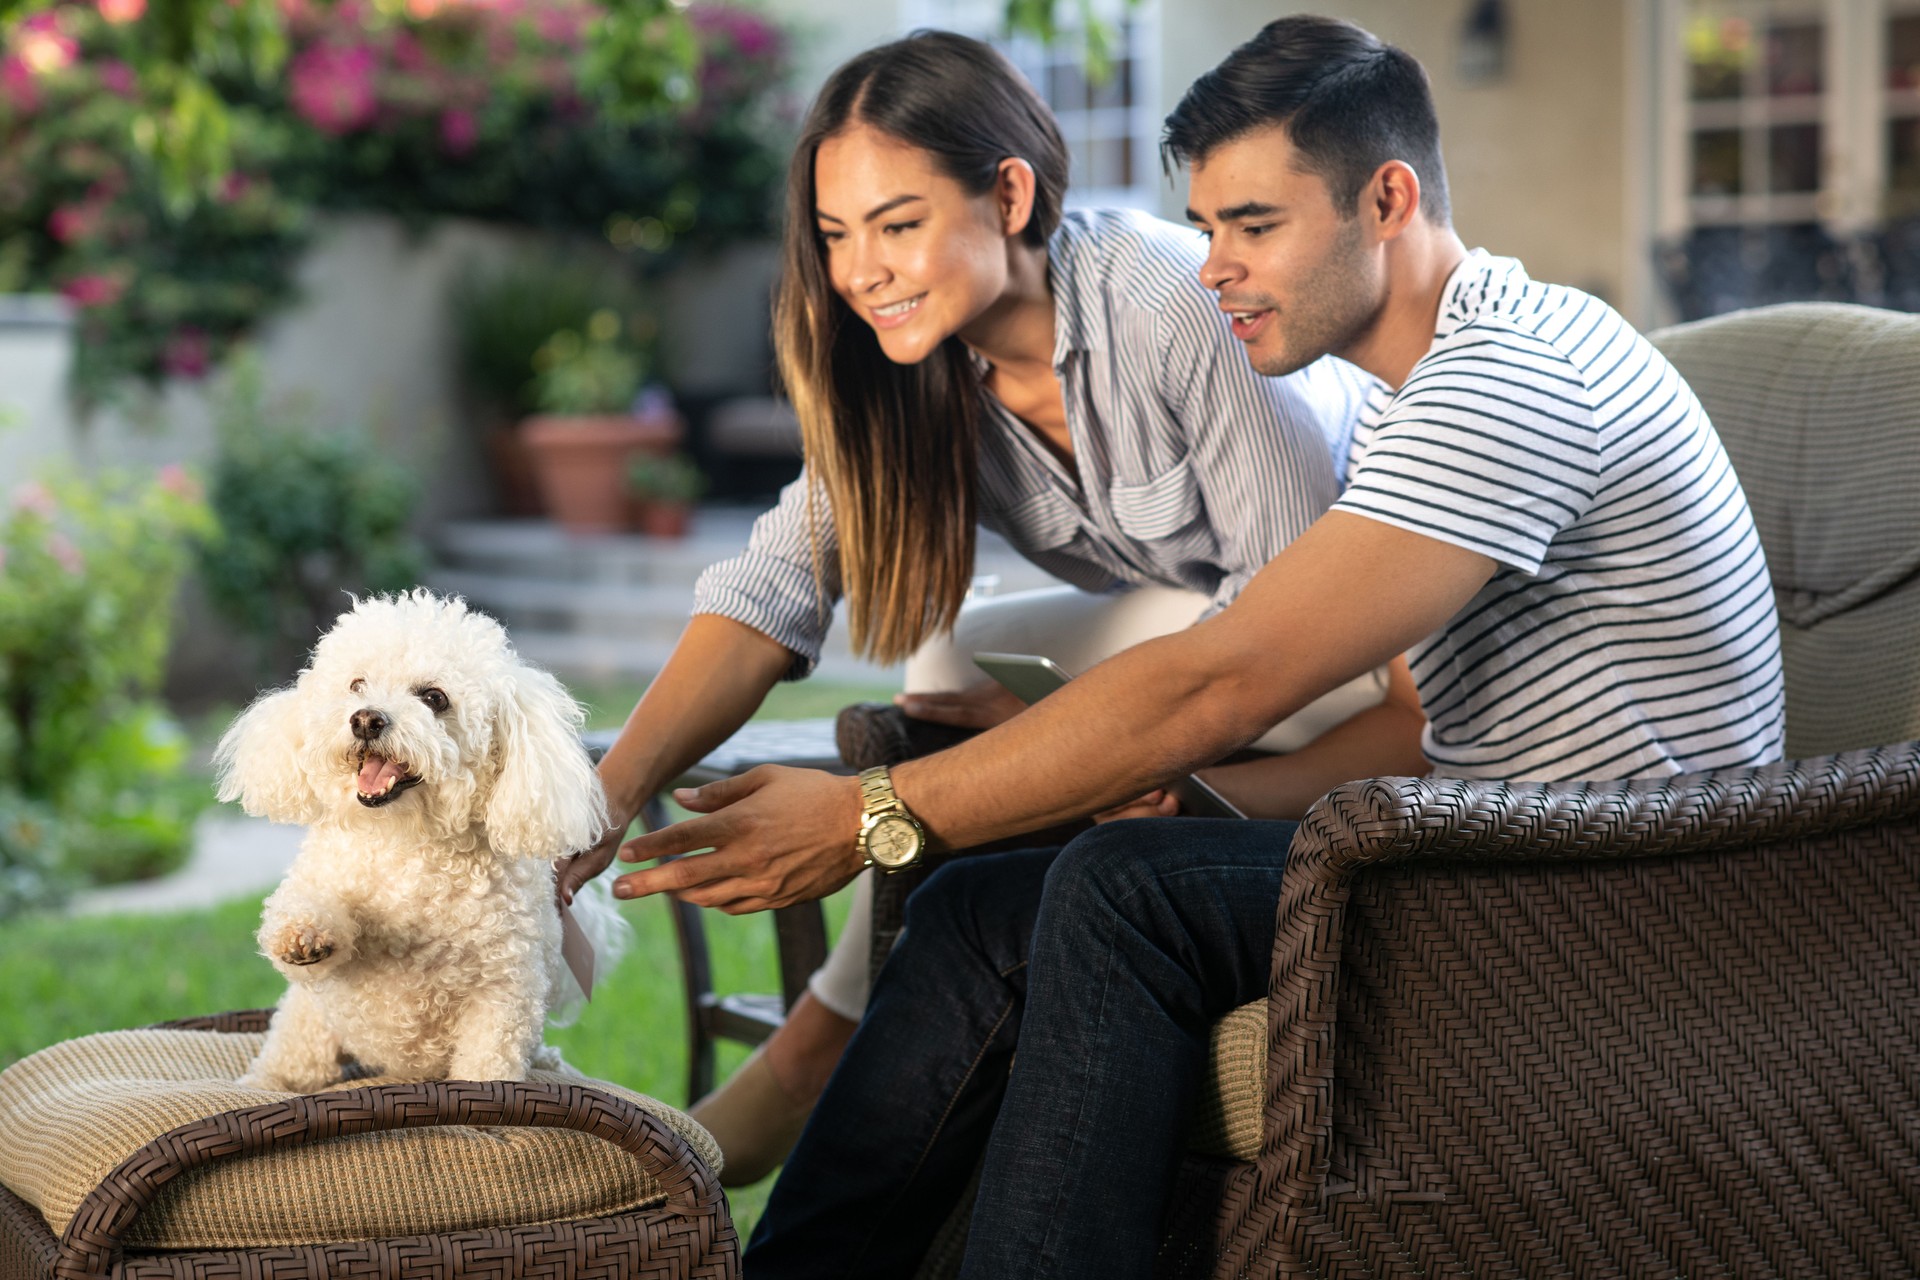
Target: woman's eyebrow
876,211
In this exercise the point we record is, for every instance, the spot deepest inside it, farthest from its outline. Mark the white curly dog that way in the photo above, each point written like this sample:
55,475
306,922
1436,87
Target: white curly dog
438,777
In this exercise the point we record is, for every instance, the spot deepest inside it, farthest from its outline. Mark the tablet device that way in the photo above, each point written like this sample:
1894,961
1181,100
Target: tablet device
1030,678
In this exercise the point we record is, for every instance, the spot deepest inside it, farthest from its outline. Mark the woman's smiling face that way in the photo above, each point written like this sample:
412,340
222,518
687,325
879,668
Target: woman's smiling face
906,246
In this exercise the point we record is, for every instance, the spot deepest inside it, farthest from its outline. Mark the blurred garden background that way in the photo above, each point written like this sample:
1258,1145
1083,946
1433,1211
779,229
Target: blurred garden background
279,285
308,297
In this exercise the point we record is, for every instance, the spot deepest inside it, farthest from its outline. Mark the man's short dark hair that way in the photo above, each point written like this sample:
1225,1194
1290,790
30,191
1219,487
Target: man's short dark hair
1349,102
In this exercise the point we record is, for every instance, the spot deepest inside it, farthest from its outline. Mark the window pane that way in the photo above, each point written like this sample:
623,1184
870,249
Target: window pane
1117,91
1066,87
1903,167
1112,163
1796,58
1903,53
1719,50
1080,161
1716,162
1793,157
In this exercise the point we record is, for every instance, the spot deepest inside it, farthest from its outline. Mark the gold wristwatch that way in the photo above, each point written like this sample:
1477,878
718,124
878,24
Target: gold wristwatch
890,838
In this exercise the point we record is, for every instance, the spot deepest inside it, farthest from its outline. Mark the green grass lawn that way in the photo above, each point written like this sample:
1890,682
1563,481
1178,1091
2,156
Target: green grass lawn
64,977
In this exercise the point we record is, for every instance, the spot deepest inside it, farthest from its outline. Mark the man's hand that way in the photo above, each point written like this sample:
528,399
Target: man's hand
1158,803
979,706
778,836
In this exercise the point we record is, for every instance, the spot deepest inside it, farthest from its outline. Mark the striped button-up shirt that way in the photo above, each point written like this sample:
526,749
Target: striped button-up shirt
1189,469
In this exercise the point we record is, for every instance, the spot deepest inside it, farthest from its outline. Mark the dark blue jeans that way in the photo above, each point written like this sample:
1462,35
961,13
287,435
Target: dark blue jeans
1104,964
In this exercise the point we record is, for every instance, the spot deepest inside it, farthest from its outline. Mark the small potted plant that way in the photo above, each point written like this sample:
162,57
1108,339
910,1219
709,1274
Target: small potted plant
588,431
663,490
501,319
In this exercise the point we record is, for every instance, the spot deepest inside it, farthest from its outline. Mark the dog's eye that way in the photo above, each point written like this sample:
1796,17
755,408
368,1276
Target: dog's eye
435,699
358,685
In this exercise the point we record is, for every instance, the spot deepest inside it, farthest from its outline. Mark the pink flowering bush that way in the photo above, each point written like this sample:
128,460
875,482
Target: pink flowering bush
476,108
425,109
331,86
156,289
88,760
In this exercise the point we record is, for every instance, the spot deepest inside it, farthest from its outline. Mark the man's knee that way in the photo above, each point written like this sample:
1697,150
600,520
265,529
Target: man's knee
1104,868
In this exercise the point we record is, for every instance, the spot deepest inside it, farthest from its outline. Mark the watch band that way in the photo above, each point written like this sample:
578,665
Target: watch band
876,791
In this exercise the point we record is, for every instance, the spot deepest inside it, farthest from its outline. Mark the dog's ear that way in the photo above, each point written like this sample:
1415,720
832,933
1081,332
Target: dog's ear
546,801
258,761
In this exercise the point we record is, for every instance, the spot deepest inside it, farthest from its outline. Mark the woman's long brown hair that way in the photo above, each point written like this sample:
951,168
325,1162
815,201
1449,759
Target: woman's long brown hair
894,447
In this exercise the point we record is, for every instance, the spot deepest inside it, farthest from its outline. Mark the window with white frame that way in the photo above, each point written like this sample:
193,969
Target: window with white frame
1110,123
1789,146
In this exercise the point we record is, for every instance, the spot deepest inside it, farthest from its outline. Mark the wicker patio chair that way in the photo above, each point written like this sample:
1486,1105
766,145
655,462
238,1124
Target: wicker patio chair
217,1175
800,931
1621,1029
1646,1029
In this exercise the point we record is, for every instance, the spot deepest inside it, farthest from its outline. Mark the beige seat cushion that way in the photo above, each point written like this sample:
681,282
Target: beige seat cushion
72,1112
1233,1097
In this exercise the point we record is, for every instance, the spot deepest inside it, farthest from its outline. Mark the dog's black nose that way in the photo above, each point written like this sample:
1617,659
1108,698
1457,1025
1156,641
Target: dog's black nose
368,724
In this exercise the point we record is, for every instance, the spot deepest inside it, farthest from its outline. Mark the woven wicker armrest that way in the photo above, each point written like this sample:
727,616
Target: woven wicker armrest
1402,821
92,1240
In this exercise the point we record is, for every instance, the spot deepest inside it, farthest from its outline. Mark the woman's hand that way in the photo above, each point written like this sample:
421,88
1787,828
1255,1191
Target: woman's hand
1158,803
979,706
777,835
574,873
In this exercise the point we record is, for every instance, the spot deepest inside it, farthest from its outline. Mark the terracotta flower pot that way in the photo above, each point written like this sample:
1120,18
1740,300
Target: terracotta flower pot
661,517
582,463
512,467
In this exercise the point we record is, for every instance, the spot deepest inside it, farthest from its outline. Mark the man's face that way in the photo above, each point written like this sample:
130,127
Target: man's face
1298,279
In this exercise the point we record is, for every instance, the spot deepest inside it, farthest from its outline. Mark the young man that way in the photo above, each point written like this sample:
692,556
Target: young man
1537,509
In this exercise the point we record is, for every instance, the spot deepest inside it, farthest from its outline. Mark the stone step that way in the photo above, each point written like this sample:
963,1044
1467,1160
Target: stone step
616,603
644,612
600,657
540,549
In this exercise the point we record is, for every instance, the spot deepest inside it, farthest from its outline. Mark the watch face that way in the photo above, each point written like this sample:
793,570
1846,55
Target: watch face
893,841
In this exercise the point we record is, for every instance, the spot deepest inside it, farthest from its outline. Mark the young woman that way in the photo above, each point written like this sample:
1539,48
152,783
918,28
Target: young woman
960,352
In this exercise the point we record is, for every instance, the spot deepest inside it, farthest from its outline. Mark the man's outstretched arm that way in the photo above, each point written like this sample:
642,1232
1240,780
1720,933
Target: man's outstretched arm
1345,597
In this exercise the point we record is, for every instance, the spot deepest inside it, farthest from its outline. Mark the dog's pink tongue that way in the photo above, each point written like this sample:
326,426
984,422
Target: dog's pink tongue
377,773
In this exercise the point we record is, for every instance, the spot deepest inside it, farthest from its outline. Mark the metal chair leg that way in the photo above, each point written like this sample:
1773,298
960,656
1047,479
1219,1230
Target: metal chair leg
696,976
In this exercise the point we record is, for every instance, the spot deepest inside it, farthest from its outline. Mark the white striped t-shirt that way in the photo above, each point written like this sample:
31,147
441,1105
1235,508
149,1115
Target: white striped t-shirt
1189,469
1630,628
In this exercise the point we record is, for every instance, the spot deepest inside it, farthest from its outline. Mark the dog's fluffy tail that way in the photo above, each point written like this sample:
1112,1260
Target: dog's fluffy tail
610,934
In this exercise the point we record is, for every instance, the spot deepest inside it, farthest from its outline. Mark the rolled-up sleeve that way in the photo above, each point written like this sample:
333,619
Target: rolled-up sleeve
771,586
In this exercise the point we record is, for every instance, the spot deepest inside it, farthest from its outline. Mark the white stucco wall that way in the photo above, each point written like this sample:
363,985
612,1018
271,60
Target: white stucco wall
368,345
36,353
1538,164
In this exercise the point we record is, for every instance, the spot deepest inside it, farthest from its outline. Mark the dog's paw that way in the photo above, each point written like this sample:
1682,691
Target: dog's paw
300,945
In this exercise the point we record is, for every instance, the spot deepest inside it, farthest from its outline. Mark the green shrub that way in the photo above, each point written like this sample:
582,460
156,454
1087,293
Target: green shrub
306,515
89,762
503,320
486,111
31,874
598,373
674,477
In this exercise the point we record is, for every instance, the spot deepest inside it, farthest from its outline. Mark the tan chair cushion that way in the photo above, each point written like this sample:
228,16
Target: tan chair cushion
1819,407
72,1112
1233,1097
